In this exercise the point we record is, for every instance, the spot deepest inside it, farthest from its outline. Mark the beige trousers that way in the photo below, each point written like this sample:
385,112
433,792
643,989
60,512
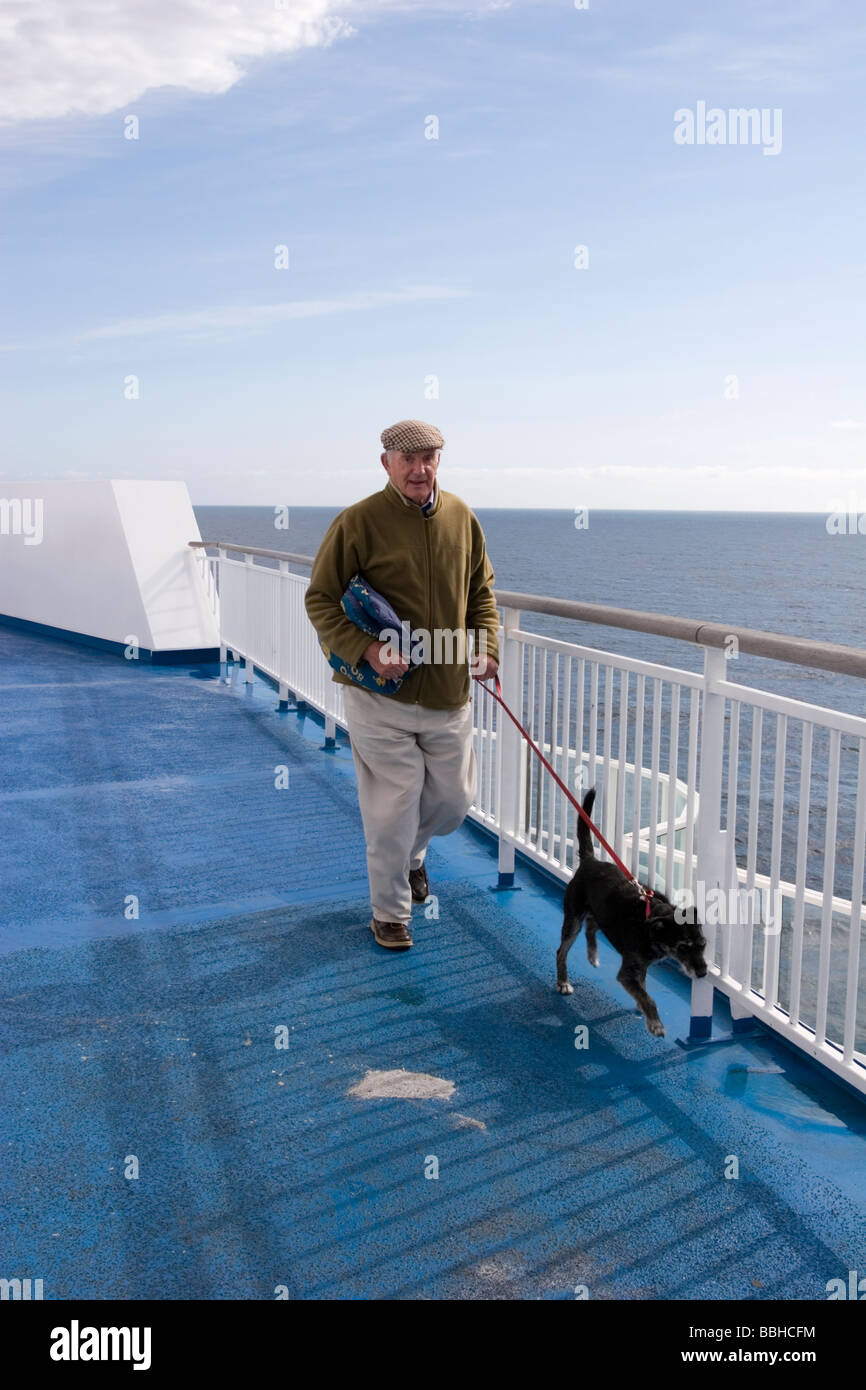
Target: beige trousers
416,779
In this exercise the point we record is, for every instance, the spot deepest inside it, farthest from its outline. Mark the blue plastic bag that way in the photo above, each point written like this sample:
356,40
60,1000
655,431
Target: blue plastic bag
372,613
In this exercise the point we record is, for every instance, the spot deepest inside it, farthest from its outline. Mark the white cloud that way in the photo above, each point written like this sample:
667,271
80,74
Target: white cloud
848,426
89,57
263,315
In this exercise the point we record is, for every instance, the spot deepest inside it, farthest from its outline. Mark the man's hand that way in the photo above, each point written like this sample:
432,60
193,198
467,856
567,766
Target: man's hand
391,670
485,669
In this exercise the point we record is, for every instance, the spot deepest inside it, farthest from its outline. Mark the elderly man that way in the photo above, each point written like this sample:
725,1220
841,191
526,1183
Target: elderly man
424,551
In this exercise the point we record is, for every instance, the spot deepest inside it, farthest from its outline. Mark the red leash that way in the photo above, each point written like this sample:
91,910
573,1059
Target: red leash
646,893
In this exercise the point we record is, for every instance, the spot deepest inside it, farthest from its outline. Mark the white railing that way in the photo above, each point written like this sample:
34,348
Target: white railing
746,798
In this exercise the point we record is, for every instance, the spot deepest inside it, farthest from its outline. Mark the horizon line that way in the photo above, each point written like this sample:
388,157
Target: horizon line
566,511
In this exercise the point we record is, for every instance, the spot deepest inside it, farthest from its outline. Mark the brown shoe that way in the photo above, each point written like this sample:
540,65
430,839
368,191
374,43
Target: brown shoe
419,885
394,935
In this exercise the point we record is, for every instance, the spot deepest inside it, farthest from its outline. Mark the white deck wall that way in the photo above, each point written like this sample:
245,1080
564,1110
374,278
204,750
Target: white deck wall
107,558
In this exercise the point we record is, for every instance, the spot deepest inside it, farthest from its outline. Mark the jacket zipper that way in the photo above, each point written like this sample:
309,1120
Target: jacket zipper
425,522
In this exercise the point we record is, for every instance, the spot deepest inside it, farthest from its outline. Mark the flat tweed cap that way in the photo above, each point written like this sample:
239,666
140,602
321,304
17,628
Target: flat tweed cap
411,436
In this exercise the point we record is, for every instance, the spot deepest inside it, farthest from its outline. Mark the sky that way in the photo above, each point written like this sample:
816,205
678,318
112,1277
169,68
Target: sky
240,239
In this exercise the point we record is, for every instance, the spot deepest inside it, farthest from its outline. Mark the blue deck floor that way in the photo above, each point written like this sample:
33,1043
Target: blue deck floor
153,1036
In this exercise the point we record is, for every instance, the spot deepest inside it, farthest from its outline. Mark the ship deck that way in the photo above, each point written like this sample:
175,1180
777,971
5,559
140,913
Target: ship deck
166,910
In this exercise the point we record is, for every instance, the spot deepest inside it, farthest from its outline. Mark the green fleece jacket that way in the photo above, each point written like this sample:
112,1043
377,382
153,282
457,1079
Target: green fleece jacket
432,569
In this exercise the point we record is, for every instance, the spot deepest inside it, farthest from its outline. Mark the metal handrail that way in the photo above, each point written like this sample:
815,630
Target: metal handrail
252,550
800,651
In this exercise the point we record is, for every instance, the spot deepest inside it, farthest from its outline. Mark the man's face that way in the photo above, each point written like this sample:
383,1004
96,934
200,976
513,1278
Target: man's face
412,474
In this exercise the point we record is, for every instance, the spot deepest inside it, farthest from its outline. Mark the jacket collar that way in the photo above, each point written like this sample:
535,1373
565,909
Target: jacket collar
396,496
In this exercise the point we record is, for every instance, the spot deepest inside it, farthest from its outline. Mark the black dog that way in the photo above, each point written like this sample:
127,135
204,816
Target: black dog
602,896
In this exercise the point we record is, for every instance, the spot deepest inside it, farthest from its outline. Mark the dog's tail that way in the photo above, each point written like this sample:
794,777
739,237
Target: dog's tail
584,834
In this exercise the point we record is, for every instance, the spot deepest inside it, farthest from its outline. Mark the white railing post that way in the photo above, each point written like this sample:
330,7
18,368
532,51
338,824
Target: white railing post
248,618
854,938
283,600
711,838
508,747
221,556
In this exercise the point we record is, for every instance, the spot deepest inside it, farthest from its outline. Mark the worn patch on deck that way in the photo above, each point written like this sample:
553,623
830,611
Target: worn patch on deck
402,1085
466,1121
